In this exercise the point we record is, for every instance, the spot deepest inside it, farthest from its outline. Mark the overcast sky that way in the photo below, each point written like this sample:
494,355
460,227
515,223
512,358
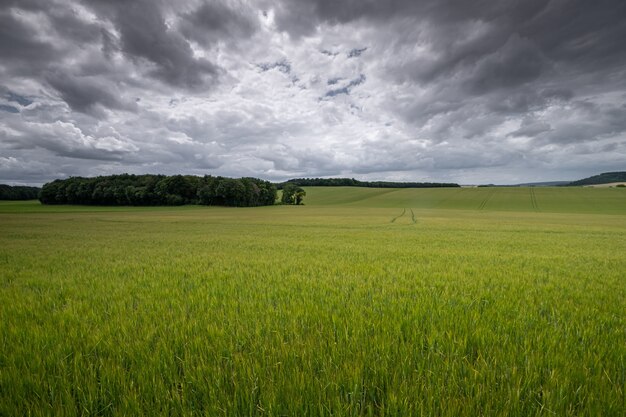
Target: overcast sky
499,91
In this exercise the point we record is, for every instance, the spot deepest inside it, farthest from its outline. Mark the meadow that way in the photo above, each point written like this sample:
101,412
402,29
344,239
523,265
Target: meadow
363,302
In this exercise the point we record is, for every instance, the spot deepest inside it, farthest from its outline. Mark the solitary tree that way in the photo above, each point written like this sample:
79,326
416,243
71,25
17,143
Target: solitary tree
299,195
292,194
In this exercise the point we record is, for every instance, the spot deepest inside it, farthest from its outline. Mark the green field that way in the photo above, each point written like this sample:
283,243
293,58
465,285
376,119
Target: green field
374,302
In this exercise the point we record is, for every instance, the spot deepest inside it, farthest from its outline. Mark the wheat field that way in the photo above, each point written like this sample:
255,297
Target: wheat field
363,302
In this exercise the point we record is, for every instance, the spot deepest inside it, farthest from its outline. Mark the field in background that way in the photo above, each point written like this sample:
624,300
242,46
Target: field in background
457,302
538,199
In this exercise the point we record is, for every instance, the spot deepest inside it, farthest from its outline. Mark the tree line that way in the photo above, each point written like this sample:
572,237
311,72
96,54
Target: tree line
351,182
159,190
18,192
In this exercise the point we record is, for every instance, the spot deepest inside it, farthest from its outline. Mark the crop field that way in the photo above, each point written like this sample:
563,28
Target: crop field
363,302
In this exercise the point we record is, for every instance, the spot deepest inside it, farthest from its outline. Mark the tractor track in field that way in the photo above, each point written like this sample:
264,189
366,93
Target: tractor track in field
486,200
397,217
533,199
404,211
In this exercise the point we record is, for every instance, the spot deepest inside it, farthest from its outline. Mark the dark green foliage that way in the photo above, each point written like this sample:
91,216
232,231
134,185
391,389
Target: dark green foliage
292,194
351,182
603,178
159,190
18,192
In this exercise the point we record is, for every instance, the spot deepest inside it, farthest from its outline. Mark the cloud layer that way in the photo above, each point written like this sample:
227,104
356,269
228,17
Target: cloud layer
432,90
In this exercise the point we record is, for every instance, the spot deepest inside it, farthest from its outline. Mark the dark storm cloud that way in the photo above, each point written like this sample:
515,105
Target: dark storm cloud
301,16
18,47
68,25
215,21
515,63
85,94
518,41
144,35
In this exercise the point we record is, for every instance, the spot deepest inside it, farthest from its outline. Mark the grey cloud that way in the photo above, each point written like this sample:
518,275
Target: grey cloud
65,139
24,170
291,13
558,94
531,128
293,162
517,101
8,109
16,98
155,46
574,34
329,53
144,35
587,122
85,94
283,66
69,25
413,156
579,32
453,87
516,63
347,88
356,52
19,49
217,21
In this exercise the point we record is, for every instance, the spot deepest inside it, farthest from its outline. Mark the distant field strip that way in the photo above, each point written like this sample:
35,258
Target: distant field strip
530,199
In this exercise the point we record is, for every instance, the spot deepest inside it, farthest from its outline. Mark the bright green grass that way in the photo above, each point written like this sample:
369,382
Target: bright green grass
318,310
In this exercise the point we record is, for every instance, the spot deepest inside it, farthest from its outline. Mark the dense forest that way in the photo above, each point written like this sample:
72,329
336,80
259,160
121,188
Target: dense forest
159,190
351,182
18,192
604,178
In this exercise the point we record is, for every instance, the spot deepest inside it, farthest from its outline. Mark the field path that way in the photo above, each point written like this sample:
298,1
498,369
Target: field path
397,217
533,199
487,198
407,221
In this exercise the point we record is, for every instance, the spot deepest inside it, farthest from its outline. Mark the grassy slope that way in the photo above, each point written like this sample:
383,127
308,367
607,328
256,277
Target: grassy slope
317,309
546,199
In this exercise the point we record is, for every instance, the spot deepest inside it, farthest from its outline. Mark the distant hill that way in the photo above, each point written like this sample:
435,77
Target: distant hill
530,184
351,182
543,184
19,192
604,178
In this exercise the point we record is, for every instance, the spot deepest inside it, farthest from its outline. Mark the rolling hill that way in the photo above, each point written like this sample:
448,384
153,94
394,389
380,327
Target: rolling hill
604,178
529,199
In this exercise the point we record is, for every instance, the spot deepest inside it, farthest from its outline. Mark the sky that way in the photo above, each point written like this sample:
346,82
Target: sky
472,92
